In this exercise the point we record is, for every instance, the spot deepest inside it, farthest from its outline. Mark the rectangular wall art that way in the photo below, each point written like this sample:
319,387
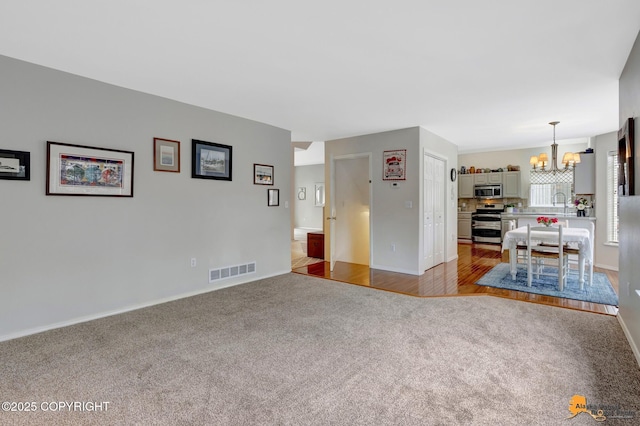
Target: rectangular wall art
87,170
394,163
15,165
166,155
211,160
262,174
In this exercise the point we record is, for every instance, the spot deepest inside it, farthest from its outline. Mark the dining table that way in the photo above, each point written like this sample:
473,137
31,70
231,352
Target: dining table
579,237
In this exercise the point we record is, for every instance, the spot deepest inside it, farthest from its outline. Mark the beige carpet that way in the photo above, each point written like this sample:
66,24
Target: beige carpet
299,350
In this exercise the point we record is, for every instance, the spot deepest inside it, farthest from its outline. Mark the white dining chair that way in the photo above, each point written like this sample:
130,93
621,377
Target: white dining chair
573,252
551,249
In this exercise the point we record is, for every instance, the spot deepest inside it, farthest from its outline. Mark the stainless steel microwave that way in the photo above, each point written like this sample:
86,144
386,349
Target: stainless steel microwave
488,191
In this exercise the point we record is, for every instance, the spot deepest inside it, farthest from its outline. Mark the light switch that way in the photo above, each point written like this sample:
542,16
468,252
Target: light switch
408,204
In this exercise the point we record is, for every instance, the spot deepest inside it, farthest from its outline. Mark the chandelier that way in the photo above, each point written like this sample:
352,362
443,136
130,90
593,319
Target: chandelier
541,164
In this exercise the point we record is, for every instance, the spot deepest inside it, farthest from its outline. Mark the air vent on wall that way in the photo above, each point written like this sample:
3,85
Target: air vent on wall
231,271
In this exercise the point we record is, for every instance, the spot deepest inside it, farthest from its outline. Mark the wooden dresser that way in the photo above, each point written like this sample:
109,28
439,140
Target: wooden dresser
315,245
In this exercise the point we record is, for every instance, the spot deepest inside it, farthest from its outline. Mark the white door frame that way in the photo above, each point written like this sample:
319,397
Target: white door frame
332,204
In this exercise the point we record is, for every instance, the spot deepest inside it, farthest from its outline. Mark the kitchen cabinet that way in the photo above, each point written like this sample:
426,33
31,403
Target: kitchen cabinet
480,179
487,178
494,178
465,186
511,185
464,225
584,174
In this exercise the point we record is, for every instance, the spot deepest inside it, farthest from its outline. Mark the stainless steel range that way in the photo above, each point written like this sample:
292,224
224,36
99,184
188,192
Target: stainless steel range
486,223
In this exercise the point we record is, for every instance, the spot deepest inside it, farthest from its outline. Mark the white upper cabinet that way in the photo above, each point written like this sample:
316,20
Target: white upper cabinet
511,185
584,177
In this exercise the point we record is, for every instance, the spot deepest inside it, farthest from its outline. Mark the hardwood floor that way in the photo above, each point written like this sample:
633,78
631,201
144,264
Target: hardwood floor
455,278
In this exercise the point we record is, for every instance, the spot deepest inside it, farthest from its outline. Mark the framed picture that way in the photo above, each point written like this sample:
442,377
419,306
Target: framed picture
166,155
273,197
626,155
88,170
211,160
262,174
394,163
15,165
319,194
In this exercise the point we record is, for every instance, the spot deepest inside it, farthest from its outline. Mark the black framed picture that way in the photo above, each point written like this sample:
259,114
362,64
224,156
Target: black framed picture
15,165
262,174
211,160
273,197
88,170
626,155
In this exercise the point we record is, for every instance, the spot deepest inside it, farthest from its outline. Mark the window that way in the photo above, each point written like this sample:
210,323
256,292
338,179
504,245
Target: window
613,168
544,185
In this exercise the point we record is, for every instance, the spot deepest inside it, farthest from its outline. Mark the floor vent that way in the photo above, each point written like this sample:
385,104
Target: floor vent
231,271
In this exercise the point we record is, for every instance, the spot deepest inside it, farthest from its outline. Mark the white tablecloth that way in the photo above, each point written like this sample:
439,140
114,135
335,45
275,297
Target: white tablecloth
579,236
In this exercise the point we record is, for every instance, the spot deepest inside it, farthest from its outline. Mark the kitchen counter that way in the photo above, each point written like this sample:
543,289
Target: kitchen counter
549,214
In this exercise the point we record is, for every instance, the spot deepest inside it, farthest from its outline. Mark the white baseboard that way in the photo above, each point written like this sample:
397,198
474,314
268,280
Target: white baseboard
633,345
609,267
78,320
399,270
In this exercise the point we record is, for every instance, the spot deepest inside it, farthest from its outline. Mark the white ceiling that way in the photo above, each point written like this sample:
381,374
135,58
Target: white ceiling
482,74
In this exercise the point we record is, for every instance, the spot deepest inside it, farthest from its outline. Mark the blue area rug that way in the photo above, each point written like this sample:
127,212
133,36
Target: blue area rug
599,292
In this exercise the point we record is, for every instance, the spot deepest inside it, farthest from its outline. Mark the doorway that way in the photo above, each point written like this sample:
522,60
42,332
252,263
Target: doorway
350,224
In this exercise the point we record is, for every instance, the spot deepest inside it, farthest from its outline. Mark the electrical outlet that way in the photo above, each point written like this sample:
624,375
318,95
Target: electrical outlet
193,262
393,247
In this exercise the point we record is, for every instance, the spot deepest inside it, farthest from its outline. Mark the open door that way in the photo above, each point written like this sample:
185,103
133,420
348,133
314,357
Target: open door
331,219
350,205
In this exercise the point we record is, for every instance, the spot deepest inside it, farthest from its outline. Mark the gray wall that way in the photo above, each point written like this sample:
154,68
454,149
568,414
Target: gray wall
441,148
67,259
392,222
307,214
629,314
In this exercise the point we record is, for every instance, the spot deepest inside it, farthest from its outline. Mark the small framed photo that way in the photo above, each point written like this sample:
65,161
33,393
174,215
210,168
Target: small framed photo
394,163
166,155
319,194
88,170
211,160
262,174
273,197
15,165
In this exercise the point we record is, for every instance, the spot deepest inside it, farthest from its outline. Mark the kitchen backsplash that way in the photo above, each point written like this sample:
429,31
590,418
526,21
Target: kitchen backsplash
470,204
520,205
